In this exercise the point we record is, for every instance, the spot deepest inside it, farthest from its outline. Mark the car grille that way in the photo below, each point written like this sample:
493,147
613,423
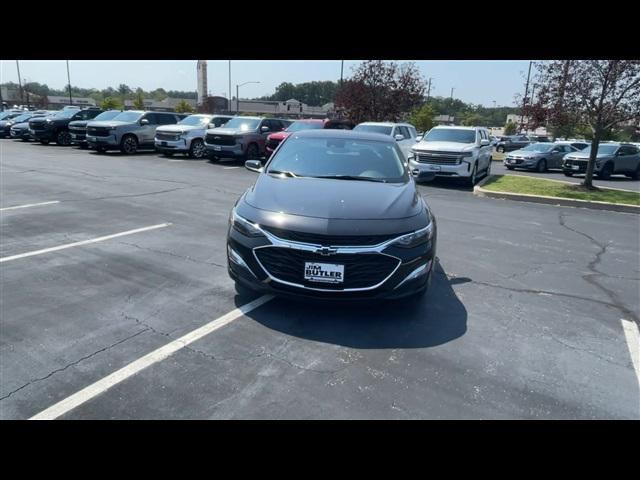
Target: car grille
273,143
78,130
36,125
329,240
172,137
439,158
361,270
575,161
98,131
514,161
216,139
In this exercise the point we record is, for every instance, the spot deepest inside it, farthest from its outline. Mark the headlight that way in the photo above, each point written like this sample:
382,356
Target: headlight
465,154
244,226
414,239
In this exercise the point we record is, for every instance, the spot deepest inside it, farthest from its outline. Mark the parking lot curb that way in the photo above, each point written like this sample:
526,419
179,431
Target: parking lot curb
556,201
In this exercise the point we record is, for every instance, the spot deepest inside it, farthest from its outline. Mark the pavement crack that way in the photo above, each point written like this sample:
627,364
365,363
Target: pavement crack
135,195
164,252
75,362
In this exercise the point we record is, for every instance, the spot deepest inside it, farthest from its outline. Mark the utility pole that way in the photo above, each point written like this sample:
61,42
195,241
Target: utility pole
20,83
229,104
69,80
451,111
341,70
524,100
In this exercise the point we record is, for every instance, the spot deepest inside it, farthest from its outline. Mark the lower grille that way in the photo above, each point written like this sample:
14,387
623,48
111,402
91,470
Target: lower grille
330,240
216,139
361,270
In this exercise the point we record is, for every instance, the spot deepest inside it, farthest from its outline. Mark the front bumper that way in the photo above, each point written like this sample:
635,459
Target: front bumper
225,150
411,274
42,134
181,145
462,170
78,138
22,133
104,142
573,166
528,164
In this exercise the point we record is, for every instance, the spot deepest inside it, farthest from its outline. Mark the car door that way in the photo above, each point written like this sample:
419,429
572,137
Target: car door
625,159
555,156
147,131
406,143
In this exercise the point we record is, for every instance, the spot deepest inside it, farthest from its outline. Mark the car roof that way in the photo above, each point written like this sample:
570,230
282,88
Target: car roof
460,127
346,134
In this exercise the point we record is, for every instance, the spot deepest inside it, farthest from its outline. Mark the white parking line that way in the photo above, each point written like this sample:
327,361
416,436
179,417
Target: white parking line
229,168
633,342
83,242
149,359
29,205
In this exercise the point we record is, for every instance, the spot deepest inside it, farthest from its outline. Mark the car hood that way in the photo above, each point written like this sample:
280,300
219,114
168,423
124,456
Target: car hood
107,123
79,123
19,126
3,123
525,153
38,119
334,199
178,128
279,135
229,131
443,146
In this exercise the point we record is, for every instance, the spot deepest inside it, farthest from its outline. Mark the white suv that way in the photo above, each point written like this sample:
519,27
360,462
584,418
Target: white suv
404,133
447,151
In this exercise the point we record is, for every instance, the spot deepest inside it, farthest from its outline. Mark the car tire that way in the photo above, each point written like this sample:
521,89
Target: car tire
472,179
197,149
63,138
129,145
605,172
541,167
83,146
510,168
253,152
568,174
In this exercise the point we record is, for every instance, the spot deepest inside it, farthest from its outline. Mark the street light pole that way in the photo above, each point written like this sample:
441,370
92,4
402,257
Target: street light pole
20,83
229,103
238,95
341,70
524,100
452,89
69,80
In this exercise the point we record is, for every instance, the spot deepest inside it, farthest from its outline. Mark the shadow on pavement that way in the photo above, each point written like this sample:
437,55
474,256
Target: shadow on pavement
434,319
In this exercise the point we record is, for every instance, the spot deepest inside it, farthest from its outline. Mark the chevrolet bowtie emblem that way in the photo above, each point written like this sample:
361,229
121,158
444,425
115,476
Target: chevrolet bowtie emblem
326,251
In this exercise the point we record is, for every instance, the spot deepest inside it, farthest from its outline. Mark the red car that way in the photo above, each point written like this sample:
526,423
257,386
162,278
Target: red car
274,139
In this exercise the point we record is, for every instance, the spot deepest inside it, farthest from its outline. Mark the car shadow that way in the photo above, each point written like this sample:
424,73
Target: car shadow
434,319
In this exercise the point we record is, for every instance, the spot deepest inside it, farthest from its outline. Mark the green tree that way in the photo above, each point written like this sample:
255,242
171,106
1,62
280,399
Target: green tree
111,103
123,90
422,118
183,107
510,128
138,102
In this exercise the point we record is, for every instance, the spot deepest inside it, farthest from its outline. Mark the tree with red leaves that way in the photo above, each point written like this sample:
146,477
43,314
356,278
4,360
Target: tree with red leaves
381,91
599,93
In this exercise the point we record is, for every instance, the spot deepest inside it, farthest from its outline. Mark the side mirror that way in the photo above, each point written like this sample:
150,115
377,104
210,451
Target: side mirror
264,129
399,137
484,142
144,121
253,165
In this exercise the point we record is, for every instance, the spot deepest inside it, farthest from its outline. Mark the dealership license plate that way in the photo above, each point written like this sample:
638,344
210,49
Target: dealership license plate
323,272
217,149
433,168
164,144
575,167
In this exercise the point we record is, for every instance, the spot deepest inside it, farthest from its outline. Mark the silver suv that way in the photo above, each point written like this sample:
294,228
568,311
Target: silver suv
404,133
611,158
459,152
242,137
128,131
187,136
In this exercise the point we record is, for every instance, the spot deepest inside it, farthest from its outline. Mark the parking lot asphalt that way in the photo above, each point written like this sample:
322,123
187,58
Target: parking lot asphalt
616,181
532,314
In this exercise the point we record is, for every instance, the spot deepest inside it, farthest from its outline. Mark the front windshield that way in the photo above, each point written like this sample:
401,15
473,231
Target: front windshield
374,129
297,126
66,113
22,118
128,117
240,123
195,121
539,147
6,115
602,149
108,115
340,157
451,135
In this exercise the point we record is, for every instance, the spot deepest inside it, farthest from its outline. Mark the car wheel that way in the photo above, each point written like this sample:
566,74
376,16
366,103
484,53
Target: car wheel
129,145
197,150
606,171
542,166
568,174
500,149
252,152
471,181
510,168
63,138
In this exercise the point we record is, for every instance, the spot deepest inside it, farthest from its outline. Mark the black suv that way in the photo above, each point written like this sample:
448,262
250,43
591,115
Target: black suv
55,128
512,142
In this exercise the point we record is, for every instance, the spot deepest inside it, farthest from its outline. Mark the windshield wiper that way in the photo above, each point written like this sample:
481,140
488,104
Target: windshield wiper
286,173
353,177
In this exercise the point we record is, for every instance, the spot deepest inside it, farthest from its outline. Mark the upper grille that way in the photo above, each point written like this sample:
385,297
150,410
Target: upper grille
361,270
172,137
217,139
36,125
329,240
440,158
98,131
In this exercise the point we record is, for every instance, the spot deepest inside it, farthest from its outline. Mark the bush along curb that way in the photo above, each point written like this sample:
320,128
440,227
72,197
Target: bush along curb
557,201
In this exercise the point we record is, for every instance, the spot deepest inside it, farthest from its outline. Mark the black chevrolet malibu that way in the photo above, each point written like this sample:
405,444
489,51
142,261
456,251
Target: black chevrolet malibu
333,214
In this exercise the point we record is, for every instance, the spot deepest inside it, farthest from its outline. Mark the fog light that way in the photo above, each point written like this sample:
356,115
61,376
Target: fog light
238,260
